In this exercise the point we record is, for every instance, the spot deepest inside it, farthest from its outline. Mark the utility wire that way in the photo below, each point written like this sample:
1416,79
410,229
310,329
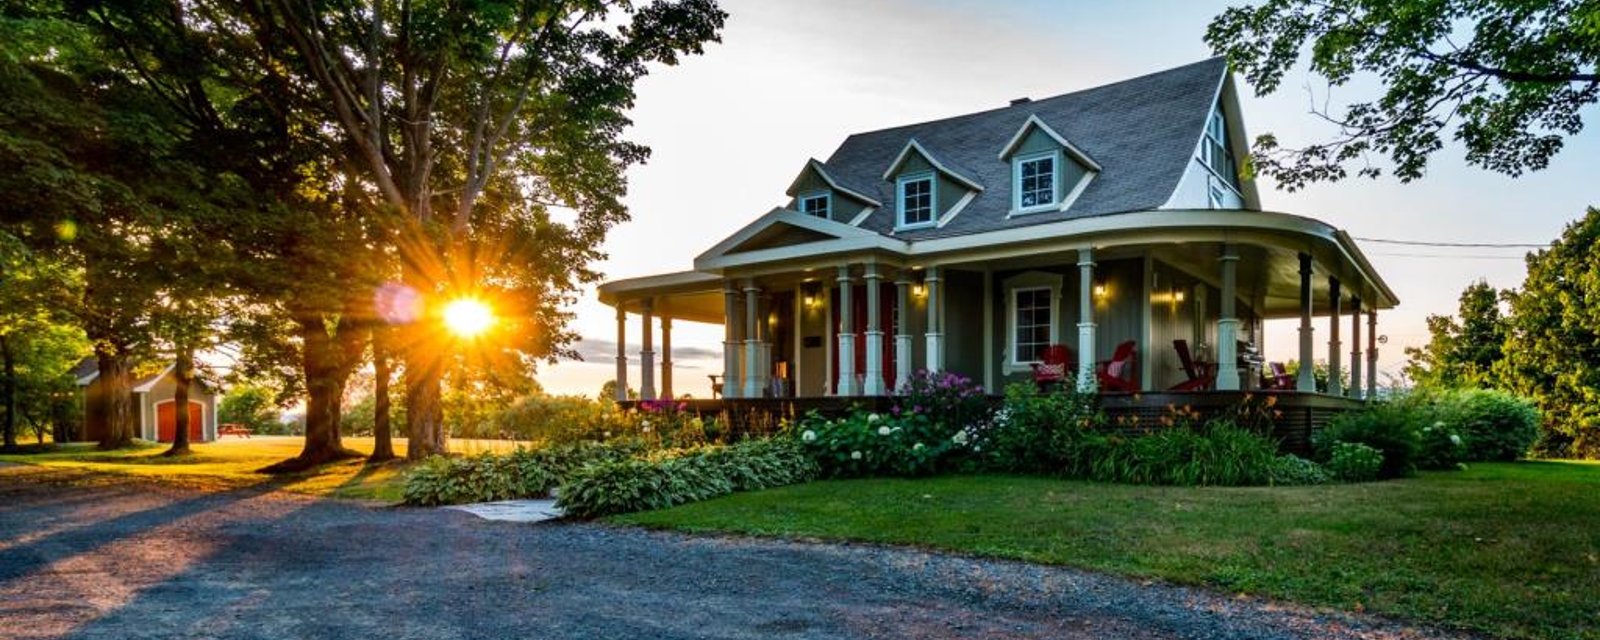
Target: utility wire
1473,245
1444,256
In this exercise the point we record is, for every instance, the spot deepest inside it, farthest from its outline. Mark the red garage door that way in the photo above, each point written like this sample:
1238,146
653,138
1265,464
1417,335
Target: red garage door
167,421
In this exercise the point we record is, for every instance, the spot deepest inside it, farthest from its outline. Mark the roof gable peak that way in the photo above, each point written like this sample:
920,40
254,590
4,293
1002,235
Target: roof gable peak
1035,122
913,146
816,166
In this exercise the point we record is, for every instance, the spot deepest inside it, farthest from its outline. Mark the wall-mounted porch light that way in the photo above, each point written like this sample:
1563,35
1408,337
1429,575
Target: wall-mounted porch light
1099,289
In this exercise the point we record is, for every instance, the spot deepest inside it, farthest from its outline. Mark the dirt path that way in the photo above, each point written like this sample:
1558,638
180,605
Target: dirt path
142,561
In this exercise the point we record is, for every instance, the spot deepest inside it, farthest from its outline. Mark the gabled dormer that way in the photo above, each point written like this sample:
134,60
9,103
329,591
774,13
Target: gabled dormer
1048,172
817,193
928,191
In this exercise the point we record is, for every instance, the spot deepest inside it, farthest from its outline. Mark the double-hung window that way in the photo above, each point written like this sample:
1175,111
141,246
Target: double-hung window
1215,149
916,200
1035,184
1031,321
816,205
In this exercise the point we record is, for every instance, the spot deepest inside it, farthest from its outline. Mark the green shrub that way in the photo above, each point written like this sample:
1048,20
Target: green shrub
524,473
1440,447
1293,470
866,444
1218,454
1496,425
666,480
1393,428
1355,462
1039,432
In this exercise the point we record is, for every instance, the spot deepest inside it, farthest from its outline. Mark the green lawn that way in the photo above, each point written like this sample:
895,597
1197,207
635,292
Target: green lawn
1509,549
232,463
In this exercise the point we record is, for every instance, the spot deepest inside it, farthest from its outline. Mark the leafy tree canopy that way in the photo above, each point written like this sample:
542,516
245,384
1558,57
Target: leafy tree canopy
1464,348
1553,351
1508,79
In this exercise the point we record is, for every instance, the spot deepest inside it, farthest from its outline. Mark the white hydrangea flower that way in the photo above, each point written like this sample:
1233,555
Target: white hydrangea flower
855,455
883,431
874,417
917,447
646,428
809,436
959,438
645,424
1455,439
1438,425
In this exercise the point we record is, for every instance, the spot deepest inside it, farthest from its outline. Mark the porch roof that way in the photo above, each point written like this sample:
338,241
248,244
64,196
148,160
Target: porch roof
697,295
687,295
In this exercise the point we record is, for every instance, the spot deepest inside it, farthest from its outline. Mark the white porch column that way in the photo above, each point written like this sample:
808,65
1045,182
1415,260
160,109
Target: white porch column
754,368
1355,349
647,353
873,385
1086,379
1228,324
1372,353
621,392
902,333
1308,378
847,336
935,333
666,357
1335,364
730,343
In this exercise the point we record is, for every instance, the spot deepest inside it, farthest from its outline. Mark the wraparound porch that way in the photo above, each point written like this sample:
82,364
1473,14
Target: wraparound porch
806,316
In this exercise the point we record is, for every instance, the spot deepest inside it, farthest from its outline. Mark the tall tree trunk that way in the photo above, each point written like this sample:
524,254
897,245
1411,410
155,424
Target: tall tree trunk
325,374
424,374
11,393
182,376
382,431
115,396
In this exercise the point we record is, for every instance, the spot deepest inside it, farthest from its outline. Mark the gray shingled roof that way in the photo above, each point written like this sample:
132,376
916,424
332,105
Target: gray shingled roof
1142,131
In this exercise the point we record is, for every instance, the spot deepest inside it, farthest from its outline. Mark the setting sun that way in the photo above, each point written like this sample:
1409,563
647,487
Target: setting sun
468,317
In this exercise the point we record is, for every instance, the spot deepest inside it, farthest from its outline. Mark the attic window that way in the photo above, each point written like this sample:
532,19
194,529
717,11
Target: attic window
816,205
1214,151
1035,182
916,200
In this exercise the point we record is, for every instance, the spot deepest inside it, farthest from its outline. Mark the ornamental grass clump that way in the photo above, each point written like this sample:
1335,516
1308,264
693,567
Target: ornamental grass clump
1214,454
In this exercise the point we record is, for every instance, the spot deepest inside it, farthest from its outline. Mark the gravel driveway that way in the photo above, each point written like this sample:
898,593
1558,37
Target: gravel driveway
142,561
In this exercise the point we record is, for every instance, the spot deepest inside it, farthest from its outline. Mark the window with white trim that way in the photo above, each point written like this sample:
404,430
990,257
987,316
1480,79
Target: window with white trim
1214,151
816,205
1218,197
916,200
1032,326
1035,182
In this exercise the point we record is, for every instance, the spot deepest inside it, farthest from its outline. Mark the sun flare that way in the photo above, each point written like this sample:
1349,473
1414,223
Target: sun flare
468,317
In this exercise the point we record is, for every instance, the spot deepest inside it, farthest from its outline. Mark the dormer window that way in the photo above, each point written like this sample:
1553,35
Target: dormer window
916,200
817,205
1035,182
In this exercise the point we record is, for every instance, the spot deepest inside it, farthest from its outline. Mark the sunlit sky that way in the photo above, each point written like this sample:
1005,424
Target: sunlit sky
731,129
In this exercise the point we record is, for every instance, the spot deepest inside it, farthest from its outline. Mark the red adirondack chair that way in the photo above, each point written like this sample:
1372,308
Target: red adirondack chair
1116,375
1056,362
1200,376
1276,377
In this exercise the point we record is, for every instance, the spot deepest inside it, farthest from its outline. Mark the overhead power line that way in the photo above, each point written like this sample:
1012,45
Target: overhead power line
1445,256
1467,245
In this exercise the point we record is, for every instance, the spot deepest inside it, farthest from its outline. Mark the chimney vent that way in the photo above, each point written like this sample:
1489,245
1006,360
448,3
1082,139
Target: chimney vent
1023,100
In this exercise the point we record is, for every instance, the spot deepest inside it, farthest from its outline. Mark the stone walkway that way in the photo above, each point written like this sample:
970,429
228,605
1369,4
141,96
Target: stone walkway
512,510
